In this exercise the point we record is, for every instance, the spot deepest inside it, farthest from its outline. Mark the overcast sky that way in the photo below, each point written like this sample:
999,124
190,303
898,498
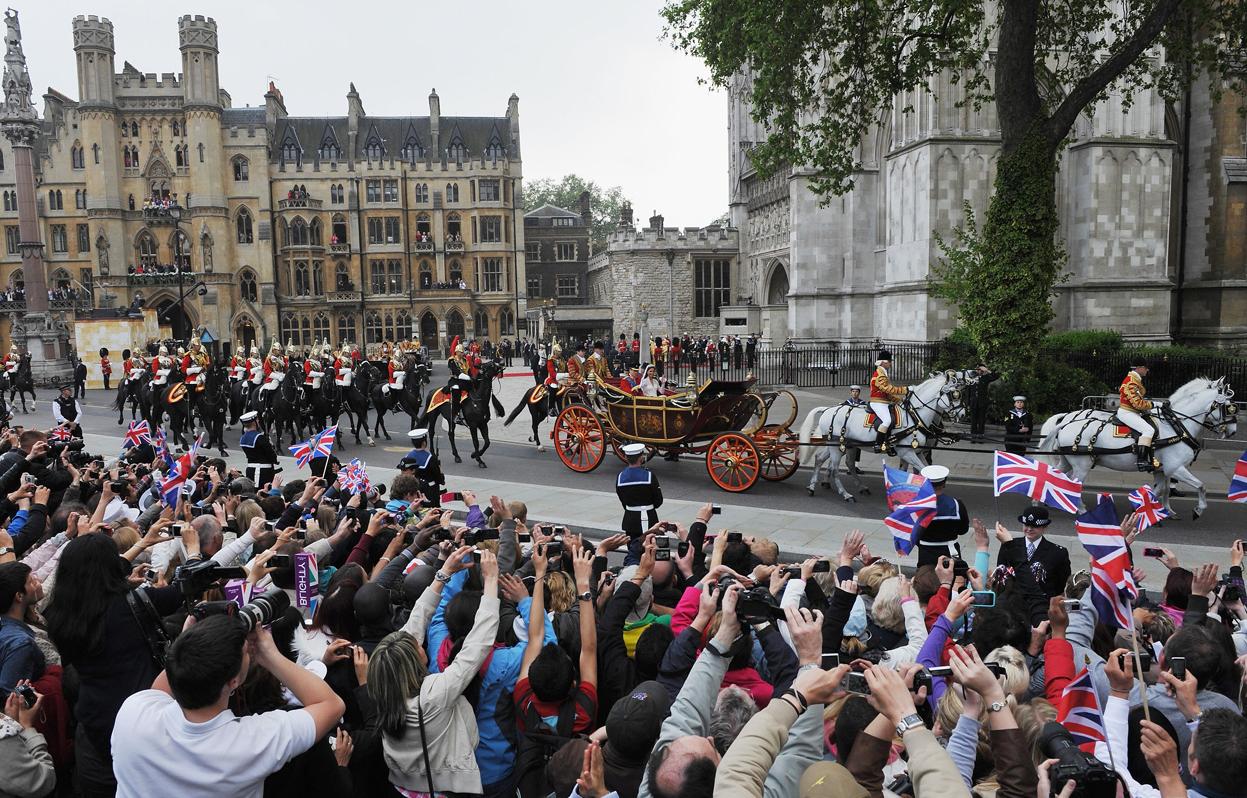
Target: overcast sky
601,93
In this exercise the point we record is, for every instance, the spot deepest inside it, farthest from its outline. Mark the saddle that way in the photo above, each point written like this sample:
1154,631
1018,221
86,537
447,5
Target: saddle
440,397
872,420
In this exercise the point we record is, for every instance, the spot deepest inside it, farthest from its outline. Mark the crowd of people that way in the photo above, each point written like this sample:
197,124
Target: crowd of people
138,269
160,203
304,639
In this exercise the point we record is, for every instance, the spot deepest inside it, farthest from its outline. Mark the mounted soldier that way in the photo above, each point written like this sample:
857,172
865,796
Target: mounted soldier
162,366
883,397
396,374
1135,412
343,369
195,363
254,373
11,361
238,366
275,366
458,360
313,371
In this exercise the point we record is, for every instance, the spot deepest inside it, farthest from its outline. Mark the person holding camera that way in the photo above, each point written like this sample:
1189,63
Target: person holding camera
27,771
110,633
181,738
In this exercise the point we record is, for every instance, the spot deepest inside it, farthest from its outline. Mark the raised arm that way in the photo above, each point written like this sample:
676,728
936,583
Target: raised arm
537,613
582,563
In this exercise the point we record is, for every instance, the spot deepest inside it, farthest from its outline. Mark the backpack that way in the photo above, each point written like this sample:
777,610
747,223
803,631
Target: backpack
539,742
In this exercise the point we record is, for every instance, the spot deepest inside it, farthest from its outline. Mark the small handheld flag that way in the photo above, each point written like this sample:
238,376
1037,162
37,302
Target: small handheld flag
1238,483
1113,589
1149,508
1079,712
138,434
61,432
319,445
912,501
1014,473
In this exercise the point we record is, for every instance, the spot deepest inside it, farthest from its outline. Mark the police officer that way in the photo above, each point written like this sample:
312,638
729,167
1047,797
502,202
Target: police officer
1018,426
261,458
67,411
951,521
425,467
640,495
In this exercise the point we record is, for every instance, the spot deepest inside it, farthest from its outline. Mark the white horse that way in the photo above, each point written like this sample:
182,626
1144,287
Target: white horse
920,413
1086,438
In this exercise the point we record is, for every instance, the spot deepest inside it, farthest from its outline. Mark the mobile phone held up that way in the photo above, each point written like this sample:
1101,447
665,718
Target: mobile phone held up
1152,551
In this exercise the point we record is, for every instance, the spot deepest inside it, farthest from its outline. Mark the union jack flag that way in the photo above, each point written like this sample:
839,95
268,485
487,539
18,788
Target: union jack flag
138,434
162,448
1079,712
912,501
1149,508
355,477
319,445
1238,483
61,432
1113,589
1014,473
179,474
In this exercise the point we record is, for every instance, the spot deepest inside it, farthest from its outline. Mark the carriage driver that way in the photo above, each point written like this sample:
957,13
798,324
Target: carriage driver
162,366
1134,412
555,373
883,394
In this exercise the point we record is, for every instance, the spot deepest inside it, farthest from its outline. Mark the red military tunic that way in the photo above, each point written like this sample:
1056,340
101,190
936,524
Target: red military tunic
106,368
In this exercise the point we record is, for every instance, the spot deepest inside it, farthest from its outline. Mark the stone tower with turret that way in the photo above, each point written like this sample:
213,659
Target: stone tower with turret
98,123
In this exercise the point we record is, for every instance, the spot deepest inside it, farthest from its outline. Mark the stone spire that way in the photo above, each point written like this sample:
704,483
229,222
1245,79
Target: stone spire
17,94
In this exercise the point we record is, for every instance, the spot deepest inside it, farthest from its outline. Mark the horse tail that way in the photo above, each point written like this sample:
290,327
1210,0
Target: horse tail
119,403
520,405
498,408
807,431
1049,433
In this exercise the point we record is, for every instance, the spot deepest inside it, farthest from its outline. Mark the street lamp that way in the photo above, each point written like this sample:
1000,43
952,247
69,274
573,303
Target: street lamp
175,213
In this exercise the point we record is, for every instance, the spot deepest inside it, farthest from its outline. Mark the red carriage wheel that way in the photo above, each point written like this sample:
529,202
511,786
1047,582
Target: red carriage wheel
733,462
780,451
579,439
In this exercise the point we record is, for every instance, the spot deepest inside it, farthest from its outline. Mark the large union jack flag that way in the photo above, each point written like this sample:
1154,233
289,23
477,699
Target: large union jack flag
912,501
1080,713
179,474
1238,483
319,445
1113,589
138,434
1014,473
1149,508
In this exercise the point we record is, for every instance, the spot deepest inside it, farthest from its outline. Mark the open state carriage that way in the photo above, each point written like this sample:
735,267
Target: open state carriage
724,419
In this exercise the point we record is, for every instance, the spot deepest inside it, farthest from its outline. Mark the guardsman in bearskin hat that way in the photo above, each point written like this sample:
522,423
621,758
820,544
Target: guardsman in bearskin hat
1135,411
883,395
106,368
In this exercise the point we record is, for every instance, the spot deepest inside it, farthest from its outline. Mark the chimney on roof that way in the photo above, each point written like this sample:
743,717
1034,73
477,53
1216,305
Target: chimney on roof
354,106
625,216
656,222
435,119
274,106
583,205
513,117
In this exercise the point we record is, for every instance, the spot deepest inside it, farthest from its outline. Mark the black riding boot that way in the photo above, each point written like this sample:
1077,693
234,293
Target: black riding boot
1144,455
881,440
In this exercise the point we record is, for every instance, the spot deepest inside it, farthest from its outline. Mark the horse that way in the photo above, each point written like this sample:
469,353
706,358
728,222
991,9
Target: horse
919,426
1084,439
172,399
287,408
474,409
20,383
325,404
211,403
356,399
537,399
131,391
239,400
408,399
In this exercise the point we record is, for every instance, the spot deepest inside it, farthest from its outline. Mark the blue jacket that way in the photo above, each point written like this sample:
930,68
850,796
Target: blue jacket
495,708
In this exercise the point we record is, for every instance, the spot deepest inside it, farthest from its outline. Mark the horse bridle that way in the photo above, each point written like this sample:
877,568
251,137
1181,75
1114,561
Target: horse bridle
1227,406
921,425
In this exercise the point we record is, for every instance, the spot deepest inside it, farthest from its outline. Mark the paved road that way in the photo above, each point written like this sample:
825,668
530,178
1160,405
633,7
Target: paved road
521,464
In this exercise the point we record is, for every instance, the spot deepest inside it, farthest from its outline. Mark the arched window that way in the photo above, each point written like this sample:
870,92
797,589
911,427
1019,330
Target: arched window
247,285
200,147
456,272
318,278
452,192
454,227
60,201
77,157
456,151
494,151
179,155
411,151
335,195
402,326
177,128
506,322
389,326
426,275
298,233
146,248
51,200
329,150
342,277
454,324
422,192
243,226
290,153
341,231
306,325
289,327
302,279
95,155
60,280
180,246
374,150
480,324
8,203
18,280
320,326
283,232
242,168
134,129
346,329
315,236
372,327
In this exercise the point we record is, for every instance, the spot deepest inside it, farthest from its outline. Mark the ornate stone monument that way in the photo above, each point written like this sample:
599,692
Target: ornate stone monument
38,331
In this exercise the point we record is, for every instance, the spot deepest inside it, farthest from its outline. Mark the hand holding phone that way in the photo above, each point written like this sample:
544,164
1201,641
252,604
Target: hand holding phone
1152,551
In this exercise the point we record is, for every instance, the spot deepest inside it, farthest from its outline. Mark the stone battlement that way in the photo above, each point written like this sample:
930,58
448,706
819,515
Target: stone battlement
713,237
196,21
92,31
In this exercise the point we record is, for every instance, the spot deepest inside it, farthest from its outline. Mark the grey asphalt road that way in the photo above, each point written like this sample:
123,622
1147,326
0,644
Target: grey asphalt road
687,479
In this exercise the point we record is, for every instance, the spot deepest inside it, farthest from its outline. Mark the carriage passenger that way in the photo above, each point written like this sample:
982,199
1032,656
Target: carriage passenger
651,384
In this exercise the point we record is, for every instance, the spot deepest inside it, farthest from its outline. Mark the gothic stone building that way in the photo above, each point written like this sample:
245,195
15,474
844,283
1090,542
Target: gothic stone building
1152,200
350,228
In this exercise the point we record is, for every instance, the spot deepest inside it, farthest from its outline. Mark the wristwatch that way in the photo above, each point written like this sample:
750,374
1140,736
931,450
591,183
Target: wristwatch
444,578
585,596
6,550
908,722
996,706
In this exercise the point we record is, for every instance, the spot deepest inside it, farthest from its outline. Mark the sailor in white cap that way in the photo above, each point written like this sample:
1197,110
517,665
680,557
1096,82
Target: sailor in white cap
424,466
261,458
640,495
853,453
1018,426
951,521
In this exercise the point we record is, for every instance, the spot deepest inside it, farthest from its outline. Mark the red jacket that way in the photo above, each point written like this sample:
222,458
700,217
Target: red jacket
105,367
1058,670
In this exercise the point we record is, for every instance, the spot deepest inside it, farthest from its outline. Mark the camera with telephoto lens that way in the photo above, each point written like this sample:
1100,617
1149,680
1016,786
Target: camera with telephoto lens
194,578
56,449
757,604
260,611
1093,777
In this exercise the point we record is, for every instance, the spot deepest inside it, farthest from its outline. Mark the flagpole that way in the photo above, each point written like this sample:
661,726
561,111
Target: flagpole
1107,743
1138,668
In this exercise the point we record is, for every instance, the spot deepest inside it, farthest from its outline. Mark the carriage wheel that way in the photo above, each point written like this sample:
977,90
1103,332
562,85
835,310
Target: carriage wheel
733,462
579,439
780,451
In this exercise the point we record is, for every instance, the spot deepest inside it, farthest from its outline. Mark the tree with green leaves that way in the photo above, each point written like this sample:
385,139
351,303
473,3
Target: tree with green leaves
824,73
604,203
